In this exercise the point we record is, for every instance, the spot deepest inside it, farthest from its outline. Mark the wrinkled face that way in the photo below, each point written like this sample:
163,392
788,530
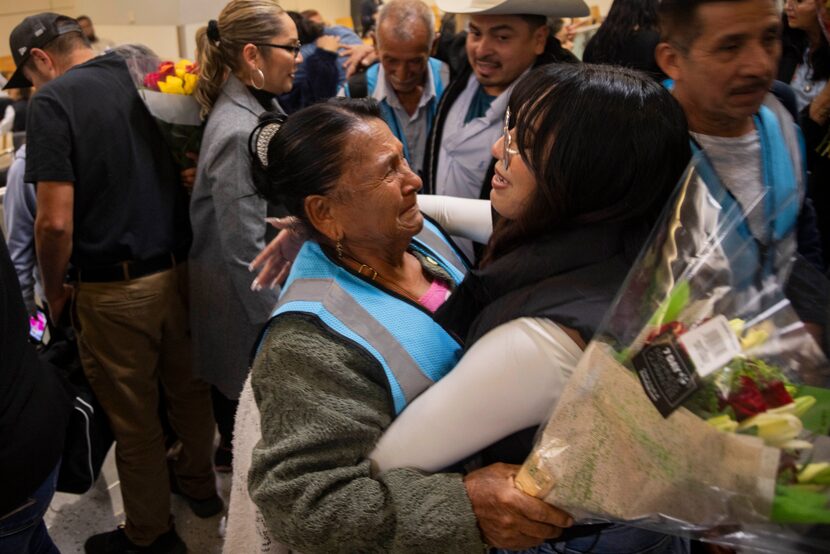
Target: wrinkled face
801,14
514,185
501,47
405,61
375,201
279,65
729,68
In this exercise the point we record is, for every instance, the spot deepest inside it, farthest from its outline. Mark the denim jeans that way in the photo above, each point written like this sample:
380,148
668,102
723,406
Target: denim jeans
616,539
23,531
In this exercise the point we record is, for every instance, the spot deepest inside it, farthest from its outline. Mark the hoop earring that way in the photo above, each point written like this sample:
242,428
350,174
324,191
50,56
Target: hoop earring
339,247
261,76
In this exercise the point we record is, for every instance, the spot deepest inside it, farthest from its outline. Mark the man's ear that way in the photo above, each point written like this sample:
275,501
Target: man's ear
668,57
41,59
434,49
320,214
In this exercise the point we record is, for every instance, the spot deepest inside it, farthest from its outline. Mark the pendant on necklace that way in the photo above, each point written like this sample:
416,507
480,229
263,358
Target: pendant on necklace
808,87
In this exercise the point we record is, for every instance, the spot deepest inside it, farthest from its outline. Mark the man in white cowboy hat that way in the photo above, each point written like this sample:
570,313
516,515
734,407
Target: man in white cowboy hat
504,40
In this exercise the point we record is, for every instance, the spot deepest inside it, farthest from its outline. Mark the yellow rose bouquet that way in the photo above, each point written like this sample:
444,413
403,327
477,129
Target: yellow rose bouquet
167,93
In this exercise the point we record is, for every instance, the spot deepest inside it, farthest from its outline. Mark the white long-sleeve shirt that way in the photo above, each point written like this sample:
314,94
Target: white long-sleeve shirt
509,380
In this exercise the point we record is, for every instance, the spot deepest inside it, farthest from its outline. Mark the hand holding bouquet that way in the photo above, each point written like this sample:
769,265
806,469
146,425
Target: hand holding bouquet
700,407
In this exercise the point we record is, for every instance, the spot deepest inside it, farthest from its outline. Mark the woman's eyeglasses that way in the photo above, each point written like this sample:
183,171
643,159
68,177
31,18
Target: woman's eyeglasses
507,142
293,48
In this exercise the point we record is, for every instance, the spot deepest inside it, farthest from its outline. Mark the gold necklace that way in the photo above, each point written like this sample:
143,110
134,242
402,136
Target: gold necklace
374,276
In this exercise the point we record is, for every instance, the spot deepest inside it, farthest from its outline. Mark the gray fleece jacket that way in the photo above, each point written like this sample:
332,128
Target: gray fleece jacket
325,403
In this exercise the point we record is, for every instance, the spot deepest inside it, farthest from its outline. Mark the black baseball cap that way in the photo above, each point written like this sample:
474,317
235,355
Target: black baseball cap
36,31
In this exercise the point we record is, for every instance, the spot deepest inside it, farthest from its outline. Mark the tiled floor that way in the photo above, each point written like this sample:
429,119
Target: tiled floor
72,518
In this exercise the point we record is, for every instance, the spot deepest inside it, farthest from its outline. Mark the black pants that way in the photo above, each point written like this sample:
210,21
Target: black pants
224,410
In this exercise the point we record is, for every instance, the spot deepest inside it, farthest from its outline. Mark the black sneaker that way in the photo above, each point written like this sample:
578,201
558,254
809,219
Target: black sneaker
206,508
116,542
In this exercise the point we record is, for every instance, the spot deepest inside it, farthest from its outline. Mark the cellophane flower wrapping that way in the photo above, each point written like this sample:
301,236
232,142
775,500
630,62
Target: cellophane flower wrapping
701,407
167,90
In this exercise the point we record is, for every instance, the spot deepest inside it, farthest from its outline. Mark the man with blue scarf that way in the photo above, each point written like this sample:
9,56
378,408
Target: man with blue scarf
722,57
407,83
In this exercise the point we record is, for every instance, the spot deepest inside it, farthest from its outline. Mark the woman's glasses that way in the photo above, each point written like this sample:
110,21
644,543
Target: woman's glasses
293,48
507,142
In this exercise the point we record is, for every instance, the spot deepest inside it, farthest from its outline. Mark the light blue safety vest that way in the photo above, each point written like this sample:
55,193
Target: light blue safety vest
782,201
389,114
401,335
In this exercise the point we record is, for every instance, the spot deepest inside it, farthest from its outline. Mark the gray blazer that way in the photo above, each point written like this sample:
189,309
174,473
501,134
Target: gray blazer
229,230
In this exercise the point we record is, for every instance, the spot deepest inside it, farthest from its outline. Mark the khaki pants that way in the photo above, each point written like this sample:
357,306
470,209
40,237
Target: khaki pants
132,336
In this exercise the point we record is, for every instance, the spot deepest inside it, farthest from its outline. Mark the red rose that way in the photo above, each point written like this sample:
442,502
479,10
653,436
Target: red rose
747,401
776,395
151,81
166,69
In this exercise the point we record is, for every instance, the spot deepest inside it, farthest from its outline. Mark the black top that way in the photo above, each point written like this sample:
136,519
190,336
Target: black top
816,138
34,406
90,127
636,53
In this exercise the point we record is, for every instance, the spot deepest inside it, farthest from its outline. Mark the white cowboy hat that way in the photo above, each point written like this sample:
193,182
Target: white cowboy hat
555,8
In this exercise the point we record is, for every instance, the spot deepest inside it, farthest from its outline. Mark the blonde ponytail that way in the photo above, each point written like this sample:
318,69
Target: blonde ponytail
241,22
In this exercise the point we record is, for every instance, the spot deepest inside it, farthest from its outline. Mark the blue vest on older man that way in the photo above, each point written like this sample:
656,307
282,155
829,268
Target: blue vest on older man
362,85
401,335
781,200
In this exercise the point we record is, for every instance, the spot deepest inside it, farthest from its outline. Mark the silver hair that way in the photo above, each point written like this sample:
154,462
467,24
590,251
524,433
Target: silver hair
405,14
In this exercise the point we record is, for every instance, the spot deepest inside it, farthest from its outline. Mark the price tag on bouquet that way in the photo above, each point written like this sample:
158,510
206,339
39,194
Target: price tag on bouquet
673,363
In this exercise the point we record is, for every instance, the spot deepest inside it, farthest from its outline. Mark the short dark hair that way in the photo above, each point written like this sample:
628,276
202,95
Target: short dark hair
678,20
603,143
80,17
307,155
307,30
535,21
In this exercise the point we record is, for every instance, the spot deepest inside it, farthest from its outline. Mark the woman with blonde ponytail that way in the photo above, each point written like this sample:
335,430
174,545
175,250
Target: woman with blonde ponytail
246,57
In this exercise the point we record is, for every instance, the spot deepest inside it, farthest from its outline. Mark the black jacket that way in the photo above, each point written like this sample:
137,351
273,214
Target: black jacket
460,71
34,403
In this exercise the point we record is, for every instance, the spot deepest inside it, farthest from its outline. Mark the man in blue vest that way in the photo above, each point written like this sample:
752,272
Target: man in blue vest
407,82
722,56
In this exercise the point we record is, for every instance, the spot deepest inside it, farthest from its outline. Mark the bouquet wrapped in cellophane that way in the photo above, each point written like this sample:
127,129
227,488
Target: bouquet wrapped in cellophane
700,407
168,94
167,90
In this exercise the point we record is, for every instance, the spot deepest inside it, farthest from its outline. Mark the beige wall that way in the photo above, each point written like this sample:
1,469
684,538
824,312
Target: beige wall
12,11
156,23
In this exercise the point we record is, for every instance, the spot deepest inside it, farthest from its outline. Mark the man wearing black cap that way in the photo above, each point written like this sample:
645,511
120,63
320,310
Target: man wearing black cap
112,215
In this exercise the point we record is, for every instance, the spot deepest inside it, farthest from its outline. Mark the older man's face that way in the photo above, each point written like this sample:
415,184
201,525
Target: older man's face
724,74
405,61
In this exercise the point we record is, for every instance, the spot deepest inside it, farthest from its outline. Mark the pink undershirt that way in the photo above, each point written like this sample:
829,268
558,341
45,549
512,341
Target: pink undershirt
436,295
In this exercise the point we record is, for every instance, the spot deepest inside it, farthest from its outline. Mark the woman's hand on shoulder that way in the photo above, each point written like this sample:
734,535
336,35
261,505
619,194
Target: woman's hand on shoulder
274,261
358,55
328,42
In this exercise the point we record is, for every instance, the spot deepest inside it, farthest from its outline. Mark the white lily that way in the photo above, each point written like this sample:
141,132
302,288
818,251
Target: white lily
777,429
810,471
